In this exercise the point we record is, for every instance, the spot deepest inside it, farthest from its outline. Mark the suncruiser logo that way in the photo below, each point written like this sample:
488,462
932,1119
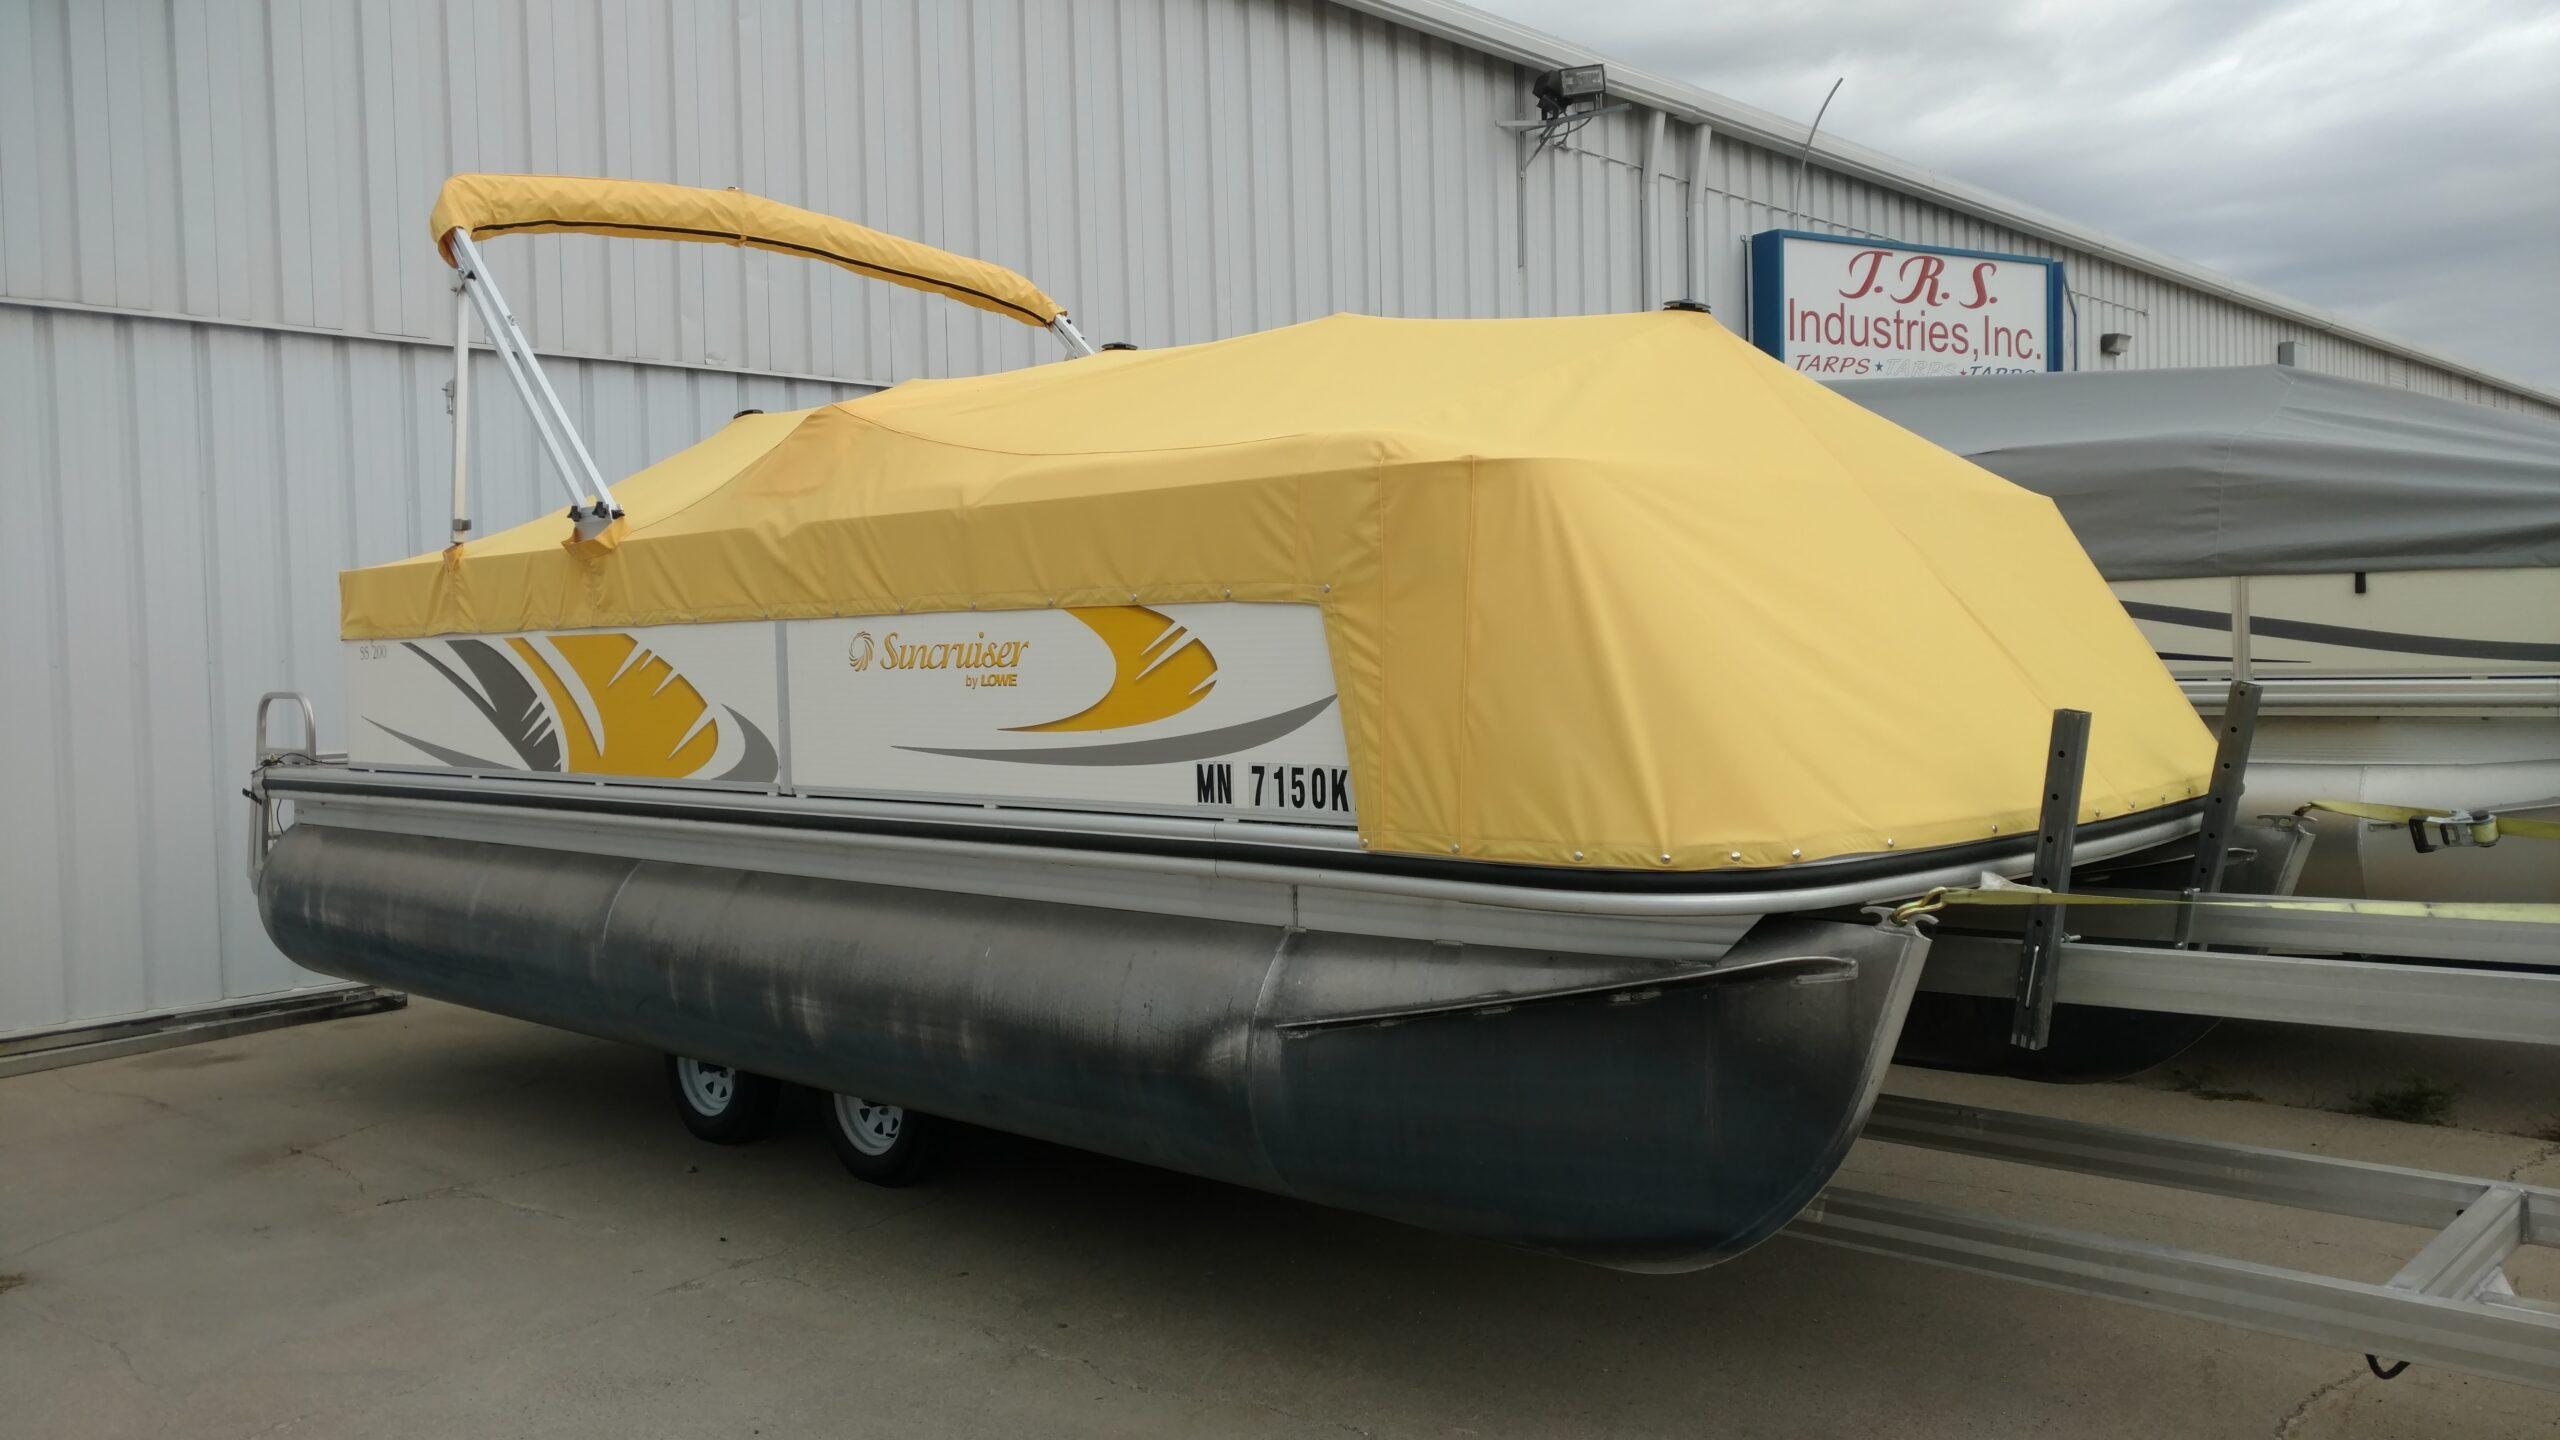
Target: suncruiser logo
978,654
1158,667
1159,670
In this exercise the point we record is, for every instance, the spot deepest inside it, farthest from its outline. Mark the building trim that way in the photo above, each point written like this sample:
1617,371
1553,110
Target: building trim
376,337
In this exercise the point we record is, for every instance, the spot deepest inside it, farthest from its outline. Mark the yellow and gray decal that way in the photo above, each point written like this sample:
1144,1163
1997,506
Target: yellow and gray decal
1159,669
611,707
1223,708
1191,708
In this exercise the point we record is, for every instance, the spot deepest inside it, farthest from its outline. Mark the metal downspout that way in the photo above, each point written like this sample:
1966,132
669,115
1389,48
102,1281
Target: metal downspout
1649,239
1696,271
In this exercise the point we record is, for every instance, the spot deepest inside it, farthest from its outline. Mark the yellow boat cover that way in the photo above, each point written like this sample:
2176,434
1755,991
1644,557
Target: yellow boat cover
485,205
1616,591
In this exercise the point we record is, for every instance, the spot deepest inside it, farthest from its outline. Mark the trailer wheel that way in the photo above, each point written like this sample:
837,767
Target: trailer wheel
720,1103
884,1144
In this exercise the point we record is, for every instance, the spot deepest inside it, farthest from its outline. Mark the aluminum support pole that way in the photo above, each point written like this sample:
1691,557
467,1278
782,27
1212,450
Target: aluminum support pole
2243,666
514,335
461,409
1069,336
492,320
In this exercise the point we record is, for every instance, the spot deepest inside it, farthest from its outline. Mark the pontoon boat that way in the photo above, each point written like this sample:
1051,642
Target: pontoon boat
2386,565
1427,767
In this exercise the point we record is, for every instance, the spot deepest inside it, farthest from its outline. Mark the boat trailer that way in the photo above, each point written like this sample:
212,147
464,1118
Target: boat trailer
2199,951
2204,952
2450,1305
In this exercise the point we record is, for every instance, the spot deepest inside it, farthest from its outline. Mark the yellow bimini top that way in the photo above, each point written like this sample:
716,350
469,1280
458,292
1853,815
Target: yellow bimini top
486,205
1610,592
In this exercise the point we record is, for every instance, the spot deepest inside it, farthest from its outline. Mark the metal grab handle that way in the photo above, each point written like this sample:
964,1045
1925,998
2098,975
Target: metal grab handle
264,826
266,753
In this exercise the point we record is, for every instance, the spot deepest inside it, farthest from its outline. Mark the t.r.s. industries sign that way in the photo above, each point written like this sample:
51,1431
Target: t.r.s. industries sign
1833,305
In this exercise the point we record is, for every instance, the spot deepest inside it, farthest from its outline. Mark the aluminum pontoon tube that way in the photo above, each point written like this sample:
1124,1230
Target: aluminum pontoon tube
1662,1127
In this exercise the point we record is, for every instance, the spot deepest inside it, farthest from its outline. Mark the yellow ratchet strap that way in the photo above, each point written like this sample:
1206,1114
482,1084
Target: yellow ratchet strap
2507,912
2499,826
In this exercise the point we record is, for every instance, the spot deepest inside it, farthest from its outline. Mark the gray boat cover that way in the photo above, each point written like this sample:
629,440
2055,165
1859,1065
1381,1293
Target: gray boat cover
2254,470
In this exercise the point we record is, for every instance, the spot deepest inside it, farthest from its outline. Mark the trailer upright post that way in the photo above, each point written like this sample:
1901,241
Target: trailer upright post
2057,830
2233,736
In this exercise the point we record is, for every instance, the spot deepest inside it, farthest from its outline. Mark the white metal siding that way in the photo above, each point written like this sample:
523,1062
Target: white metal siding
179,500
219,307
1175,170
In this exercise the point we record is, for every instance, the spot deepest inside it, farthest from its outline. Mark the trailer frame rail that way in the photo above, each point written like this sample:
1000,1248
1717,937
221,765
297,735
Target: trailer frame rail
2451,1305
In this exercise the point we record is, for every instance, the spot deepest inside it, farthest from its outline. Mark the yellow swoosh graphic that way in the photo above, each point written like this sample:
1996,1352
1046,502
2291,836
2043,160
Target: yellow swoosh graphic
1158,670
646,710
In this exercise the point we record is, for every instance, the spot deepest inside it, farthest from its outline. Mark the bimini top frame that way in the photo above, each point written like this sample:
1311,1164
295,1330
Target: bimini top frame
474,206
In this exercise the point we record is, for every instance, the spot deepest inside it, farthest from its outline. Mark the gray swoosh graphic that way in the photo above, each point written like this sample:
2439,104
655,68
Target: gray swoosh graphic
1206,745
2394,641
756,766
455,758
758,763
517,714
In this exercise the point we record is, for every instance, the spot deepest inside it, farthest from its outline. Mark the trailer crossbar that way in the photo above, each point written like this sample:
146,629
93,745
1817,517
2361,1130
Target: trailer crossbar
2458,1002
2231,921
2514,1343
2449,1306
2324,1183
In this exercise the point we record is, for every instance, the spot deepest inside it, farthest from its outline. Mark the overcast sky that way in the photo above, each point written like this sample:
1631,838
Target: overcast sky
2394,161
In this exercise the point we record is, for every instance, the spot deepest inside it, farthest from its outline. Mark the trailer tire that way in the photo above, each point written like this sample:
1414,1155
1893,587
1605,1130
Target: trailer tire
720,1103
884,1144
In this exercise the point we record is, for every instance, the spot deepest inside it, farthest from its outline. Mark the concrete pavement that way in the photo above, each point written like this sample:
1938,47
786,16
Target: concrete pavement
433,1222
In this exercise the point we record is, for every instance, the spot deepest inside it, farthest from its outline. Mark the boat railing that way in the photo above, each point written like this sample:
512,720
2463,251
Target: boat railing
266,820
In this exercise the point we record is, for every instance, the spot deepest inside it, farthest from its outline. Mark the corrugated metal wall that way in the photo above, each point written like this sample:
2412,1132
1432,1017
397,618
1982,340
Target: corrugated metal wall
1175,170
180,498
219,313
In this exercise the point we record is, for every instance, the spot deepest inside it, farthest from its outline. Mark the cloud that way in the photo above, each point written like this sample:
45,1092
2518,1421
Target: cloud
2398,164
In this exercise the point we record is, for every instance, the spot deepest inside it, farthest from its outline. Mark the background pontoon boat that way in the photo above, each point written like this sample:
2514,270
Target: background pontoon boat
1432,768
2385,564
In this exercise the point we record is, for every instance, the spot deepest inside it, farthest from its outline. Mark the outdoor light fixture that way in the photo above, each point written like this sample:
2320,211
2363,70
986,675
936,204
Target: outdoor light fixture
1568,98
2114,342
1557,91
